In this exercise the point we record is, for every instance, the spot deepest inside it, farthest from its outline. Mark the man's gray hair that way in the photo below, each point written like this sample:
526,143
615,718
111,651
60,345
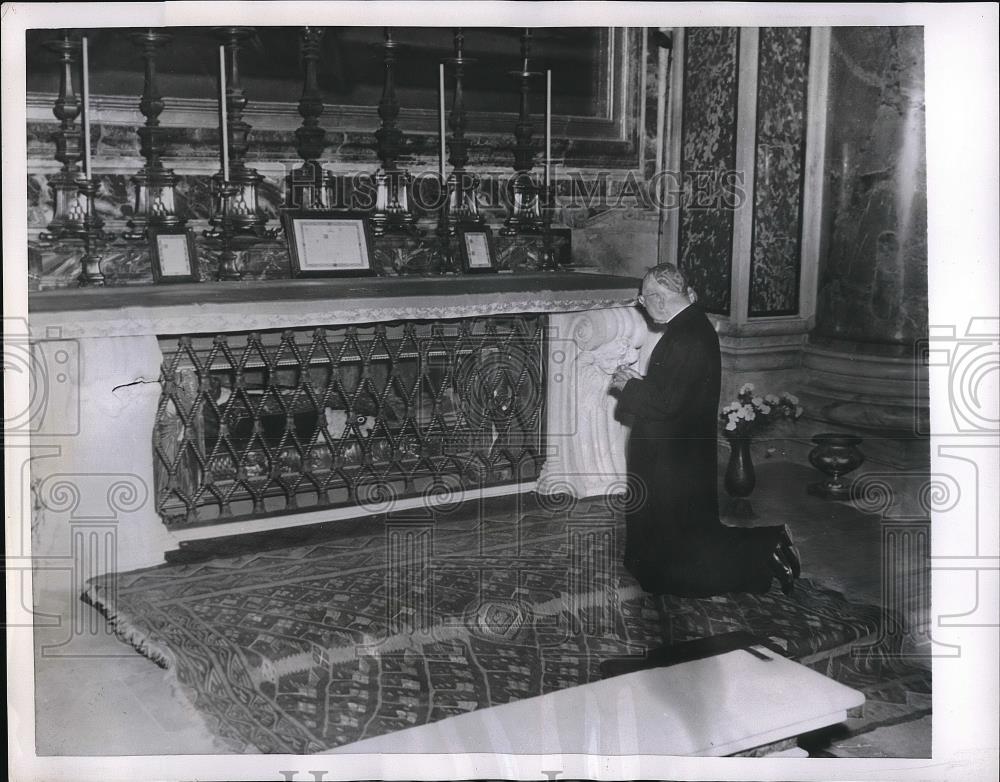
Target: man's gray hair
673,279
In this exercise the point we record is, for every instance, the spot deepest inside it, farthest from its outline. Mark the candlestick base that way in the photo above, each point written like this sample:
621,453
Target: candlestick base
153,203
547,259
392,204
224,229
229,270
462,203
91,274
90,261
525,212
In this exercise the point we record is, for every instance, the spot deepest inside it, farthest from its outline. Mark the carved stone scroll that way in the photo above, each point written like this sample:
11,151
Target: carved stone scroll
586,438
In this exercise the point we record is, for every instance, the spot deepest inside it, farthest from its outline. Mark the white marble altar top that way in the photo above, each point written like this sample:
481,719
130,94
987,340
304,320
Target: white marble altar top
275,304
715,706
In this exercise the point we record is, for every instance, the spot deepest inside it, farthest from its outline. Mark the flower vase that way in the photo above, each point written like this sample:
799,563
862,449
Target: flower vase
740,478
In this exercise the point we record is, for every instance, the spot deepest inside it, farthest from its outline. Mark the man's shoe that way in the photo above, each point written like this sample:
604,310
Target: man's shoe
781,570
790,552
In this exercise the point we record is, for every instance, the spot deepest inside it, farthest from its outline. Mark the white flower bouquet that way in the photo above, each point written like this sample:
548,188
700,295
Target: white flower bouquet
750,412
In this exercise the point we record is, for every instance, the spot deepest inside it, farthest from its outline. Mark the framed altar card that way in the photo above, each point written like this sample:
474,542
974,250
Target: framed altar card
476,248
328,244
172,254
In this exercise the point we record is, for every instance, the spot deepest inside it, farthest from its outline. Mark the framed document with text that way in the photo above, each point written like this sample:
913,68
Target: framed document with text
328,244
172,254
475,244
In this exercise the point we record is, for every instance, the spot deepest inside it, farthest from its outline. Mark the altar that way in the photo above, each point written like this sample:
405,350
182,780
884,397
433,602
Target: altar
197,412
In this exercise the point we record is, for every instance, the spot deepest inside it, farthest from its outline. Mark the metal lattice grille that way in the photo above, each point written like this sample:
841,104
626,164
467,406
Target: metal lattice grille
267,422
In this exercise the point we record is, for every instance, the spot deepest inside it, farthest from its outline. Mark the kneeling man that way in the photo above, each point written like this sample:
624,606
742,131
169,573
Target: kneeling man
675,542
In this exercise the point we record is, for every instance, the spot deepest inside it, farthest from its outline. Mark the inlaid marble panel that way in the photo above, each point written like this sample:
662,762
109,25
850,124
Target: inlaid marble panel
782,84
873,277
708,159
57,264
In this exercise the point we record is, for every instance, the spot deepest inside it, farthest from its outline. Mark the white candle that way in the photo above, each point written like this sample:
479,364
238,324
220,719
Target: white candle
86,111
441,131
548,130
223,113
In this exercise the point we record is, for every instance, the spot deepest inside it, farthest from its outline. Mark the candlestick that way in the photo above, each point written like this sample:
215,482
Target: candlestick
441,130
90,261
223,113
67,217
548,129
154,186
392,182
463,185
523,194
86,111
308,186
247,216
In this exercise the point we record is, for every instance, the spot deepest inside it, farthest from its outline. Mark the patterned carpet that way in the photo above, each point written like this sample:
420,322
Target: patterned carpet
400,622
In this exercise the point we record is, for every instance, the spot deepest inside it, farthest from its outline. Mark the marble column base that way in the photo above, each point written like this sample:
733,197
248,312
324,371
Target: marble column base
869,391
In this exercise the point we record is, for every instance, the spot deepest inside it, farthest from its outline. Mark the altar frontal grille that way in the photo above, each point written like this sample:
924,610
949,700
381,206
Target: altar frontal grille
268,422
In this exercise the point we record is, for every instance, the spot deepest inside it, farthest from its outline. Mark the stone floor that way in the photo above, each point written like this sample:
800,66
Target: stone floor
118,702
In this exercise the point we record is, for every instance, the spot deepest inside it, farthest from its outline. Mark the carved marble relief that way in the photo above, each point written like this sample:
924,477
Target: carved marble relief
708,160
782,83
873,278
586,439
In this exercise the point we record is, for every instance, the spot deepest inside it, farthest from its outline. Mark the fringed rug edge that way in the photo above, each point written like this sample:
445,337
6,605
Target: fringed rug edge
144,643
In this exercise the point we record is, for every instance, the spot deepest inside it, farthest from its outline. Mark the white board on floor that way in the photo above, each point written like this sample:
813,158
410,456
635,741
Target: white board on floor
715,706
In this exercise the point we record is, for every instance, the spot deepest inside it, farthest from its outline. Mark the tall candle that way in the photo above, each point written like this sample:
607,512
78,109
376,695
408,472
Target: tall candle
441,131
548,130
86,111
223,113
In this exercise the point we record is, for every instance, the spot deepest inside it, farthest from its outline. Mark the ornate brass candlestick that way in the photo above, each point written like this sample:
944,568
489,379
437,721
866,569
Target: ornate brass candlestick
154,186
243,208
224,229
93,235
462,204
308,185
392,183
522,192
68,216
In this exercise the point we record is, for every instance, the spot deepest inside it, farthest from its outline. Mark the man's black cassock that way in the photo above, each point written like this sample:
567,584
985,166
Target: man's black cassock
675,543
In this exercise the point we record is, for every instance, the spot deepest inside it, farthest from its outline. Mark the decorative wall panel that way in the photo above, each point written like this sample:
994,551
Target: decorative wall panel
873,277
708,161
782,84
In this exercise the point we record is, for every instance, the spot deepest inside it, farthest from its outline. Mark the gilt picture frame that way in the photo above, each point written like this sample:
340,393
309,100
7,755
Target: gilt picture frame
328,243
173,255
476,248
